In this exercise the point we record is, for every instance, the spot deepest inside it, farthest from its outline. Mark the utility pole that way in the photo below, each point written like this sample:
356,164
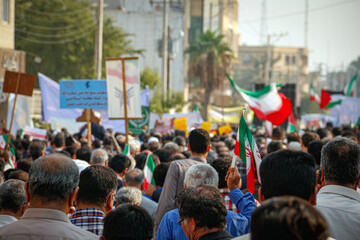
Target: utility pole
165,50
186,57
306,23
263,23
99,39
268,59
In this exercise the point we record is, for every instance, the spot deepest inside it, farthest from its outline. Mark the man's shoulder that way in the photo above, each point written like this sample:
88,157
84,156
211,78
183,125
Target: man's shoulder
188,162
148,202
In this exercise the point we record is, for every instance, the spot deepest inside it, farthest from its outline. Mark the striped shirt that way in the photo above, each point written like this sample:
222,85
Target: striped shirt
90,219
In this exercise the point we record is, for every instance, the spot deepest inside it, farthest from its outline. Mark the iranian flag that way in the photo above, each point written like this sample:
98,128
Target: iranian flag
127,153
313,95
246,149
3,141
292,126
148,172
348,91
328,100
267,103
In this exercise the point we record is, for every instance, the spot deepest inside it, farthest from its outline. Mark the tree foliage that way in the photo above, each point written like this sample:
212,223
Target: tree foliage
209,57
149,77
62,34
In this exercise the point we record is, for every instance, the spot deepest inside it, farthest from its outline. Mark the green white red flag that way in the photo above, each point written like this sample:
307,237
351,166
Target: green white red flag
292,125
328,100
149,171
348,91
247,150
3,141
313,95
267,103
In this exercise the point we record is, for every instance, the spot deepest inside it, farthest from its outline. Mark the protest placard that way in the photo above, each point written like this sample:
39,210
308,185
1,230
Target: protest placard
224,129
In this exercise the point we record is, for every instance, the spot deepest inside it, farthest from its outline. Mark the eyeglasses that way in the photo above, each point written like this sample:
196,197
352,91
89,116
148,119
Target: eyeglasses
179,222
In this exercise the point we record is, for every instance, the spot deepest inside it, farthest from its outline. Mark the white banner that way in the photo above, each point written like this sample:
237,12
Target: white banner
35,133
114,78
348,111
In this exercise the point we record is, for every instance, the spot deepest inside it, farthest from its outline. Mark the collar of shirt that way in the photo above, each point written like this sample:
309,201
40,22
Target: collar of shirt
45,213
199,159
337,189
95,212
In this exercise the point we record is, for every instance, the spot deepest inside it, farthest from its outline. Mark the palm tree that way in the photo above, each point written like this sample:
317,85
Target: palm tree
210,57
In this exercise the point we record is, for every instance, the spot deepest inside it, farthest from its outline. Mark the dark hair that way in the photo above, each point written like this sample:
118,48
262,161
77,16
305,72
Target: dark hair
160,174
7,173
163,155
336,131
314,149
96,184
144,146
180,140
36,149
96,144
25,143
202,204
53,177
308,137
293,137
340,161
19,174
84,153
12,195
323,133
153,146
273,146
288,218
199,140
288,172
69,141
71,150
278,133
128,222
222,165
24,164
59,139
2,165
140,160
119,162
177,156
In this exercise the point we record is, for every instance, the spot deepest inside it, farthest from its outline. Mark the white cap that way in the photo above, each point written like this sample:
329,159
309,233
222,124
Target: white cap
153,139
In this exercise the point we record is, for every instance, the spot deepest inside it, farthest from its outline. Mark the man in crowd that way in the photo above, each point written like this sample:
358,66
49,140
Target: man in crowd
135,178
12,201
130,195
338,201
120,163
99,157
51,191
199,145
95,198
198,206
36,149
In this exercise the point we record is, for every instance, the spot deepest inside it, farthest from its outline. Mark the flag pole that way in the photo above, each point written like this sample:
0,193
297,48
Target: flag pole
233,162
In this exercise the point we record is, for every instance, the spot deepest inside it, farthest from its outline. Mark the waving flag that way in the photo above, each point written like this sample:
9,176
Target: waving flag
348,91
292,126
267,103
149,171
313,95
328,100
247,150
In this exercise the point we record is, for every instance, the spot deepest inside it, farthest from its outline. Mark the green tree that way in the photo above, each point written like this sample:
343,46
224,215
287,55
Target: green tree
210,57
149,77
62,34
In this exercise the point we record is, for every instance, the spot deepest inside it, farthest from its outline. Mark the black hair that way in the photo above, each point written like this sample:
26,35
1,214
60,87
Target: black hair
140,160
96,144
71,150
308,137
24,164
163,155
278,133
274,146
96,184
128,222
119,162
160,174
59,139
288,172
36,149
222,165
199,140
314,149
84,153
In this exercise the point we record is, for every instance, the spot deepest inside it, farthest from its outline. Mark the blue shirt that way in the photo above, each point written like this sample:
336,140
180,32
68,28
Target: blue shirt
237,224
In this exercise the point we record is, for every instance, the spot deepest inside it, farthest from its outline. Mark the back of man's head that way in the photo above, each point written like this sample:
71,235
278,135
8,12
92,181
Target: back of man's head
274,146
202,204
171,147
199,174
221,165
99,157
163,155
130,195
314,148
199,141
53,178
278,134
84,153
96,184
180,141
12,197
134,178
288,172
36,149
128,222
308,137
340,162
159,174
59,140
289,218
119,163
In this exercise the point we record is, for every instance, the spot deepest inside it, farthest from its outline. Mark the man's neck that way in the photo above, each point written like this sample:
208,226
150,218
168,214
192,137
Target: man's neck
202,155
353,187
61,206
203,231
81,205
4,212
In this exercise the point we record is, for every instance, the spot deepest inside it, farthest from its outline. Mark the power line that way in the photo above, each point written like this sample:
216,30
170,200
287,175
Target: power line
302,12
90,20
60,35
55,14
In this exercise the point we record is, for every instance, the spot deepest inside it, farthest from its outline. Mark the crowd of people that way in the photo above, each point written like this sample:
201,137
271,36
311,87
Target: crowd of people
307,187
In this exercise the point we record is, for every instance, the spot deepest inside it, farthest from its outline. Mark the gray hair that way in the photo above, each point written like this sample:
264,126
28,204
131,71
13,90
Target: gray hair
99,156
130,195
173,147
340,161
12,196
201,174
133,145
134,177
53,177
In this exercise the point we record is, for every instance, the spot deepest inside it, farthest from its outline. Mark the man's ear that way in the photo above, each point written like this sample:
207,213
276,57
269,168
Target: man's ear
26,186
261,195
110,203
312,199
124,172
72,197
188,146
208,148
192,224
322,177
106,163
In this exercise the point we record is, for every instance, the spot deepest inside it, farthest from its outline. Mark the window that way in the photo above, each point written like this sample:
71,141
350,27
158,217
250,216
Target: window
287,60
5,10
293,60
246,59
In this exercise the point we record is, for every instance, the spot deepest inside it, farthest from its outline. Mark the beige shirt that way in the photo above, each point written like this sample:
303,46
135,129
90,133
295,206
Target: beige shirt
44,223
173,185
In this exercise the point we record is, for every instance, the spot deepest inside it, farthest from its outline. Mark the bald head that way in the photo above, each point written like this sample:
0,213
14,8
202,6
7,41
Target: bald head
134,178
53,178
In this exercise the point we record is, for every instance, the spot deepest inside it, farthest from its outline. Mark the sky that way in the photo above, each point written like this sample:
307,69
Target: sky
333,28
